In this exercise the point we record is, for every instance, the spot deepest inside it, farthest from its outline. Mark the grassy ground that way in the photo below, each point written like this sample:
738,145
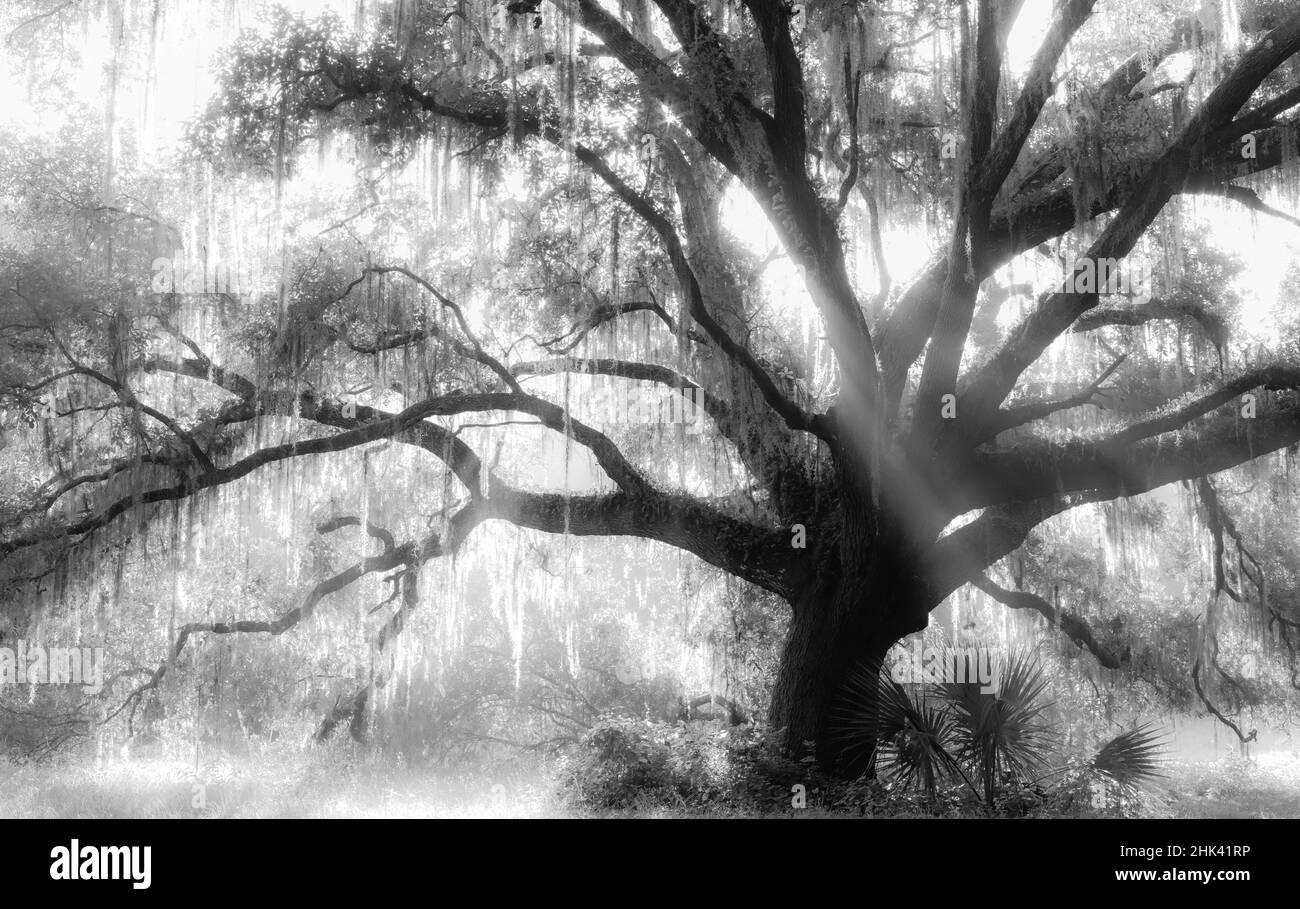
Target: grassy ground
322,784
1266,787
289,784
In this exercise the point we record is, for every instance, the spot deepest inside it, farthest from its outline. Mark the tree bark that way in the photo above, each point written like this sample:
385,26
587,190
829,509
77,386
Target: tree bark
864,599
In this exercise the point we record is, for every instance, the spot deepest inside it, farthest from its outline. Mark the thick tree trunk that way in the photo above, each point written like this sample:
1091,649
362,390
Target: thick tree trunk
845,623
867,591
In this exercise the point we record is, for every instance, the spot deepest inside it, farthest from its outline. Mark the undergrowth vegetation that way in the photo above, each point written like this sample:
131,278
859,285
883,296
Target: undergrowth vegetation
625,766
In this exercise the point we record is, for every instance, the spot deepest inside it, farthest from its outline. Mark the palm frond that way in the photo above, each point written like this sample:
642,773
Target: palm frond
1001,732
876,719
1132,758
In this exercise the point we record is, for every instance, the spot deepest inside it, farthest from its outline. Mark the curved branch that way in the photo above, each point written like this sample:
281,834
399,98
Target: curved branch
1176,309
1142,456
1074,626
1020,414
1200,693
716,408
760,555
392,557
961,555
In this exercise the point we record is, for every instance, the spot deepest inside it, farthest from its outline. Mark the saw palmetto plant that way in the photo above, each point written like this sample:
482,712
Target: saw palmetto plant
1132,758
983,735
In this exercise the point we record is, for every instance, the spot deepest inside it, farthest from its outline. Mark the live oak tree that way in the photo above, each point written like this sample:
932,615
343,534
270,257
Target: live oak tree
931,452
